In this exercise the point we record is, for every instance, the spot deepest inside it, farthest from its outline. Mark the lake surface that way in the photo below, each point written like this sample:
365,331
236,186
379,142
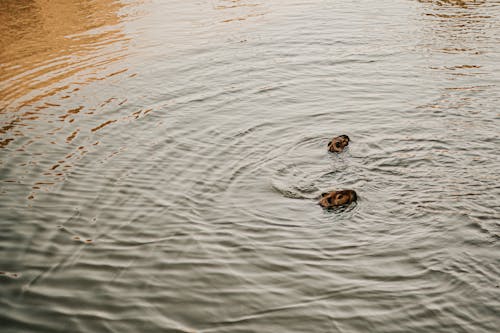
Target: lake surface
160,163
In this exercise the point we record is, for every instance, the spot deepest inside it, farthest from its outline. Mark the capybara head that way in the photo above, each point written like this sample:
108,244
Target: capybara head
337,198
338,143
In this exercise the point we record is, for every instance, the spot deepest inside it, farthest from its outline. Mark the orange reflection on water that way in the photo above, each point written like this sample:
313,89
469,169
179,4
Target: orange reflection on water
238,10
49,50
43,43
458,3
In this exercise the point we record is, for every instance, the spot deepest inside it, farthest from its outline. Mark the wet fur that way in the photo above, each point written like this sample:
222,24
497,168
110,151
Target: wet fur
337,198
338,144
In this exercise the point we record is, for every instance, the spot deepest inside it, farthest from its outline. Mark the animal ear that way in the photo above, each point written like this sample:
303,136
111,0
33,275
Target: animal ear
324,194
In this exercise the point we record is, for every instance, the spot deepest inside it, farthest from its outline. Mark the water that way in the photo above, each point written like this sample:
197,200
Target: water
160,162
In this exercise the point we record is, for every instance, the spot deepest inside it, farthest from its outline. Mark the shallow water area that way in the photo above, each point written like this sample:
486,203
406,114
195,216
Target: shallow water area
160,164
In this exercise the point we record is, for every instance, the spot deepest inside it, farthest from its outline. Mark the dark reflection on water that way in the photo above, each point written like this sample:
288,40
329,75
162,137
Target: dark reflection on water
160,164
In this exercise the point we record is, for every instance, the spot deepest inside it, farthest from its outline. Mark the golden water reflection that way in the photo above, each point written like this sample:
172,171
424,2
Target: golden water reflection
49,51
44,42
238,10
458,3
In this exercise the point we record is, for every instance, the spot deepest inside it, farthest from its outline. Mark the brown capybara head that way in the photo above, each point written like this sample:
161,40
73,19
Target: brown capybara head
338,143
337,198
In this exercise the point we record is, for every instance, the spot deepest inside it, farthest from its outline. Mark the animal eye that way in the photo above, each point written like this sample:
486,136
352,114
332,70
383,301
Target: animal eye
340,196
337,144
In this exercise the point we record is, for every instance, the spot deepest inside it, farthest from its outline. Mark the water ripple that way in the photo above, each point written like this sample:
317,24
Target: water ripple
160,164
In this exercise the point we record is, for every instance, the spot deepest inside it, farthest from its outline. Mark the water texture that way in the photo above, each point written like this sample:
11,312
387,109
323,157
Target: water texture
160,163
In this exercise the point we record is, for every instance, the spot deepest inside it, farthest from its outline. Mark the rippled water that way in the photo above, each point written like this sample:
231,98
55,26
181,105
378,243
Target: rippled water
160,162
